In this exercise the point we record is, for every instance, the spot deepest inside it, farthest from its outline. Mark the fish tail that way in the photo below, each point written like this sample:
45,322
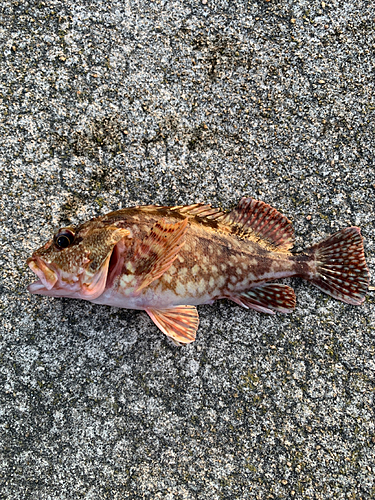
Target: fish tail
337,266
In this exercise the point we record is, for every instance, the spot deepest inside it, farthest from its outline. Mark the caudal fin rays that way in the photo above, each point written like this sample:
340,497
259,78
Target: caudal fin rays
340,267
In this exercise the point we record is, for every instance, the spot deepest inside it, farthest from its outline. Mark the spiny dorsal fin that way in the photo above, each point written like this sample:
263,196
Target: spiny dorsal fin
200,210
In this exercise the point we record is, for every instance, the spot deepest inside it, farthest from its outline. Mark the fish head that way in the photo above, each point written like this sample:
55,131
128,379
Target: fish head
75,262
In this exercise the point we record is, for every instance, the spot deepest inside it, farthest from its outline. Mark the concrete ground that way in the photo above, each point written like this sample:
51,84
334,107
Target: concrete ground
107,104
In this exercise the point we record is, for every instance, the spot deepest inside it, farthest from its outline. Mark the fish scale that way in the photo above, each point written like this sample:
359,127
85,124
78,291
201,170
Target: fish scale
168,260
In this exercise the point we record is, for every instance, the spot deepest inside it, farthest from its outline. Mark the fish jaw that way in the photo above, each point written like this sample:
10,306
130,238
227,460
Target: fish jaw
50,282
47,276
86,285
69,290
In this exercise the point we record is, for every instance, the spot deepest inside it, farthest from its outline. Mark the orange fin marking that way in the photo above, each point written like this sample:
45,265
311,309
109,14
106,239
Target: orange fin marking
255,219
267,298
180,323
156,253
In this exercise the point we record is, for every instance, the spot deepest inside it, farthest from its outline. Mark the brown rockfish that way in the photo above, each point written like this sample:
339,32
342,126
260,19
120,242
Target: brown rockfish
167,260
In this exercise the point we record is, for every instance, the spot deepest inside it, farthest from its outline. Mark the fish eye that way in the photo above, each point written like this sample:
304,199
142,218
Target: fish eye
64,238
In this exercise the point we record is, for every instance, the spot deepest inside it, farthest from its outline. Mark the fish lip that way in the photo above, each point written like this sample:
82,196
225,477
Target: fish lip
47,276
36,287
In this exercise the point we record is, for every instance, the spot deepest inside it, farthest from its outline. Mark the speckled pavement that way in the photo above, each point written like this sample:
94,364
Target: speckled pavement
108,104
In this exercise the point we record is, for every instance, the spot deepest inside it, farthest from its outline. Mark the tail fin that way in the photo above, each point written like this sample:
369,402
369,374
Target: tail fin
340,267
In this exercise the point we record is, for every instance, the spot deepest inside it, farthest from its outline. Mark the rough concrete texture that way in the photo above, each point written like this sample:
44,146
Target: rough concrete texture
107,104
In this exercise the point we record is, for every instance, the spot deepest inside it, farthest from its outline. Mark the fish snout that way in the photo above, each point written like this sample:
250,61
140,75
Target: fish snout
47,276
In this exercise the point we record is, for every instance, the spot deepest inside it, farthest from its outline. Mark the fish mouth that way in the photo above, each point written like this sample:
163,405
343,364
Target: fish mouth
47,276
49,282
85,285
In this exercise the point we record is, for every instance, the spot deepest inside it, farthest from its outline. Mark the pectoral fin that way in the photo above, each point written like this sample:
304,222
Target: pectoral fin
180,323
157,251
267,298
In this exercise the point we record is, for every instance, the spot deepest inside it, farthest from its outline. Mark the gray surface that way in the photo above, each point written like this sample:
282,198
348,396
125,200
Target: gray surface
109,104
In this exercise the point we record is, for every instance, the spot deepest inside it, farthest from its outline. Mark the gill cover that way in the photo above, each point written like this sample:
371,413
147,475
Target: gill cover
101,243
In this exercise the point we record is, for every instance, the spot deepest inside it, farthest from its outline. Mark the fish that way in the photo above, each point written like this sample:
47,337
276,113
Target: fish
168,260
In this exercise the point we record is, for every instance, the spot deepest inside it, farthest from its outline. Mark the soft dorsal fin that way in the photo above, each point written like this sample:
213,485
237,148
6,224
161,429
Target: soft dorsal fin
258,221
251,219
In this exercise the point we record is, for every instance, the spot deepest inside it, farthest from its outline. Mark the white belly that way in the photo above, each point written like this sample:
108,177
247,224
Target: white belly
151,297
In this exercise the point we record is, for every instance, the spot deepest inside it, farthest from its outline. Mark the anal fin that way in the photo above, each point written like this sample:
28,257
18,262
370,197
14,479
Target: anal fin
267,298
180,323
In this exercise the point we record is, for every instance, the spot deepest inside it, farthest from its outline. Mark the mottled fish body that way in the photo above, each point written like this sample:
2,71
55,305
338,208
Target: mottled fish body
167,260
